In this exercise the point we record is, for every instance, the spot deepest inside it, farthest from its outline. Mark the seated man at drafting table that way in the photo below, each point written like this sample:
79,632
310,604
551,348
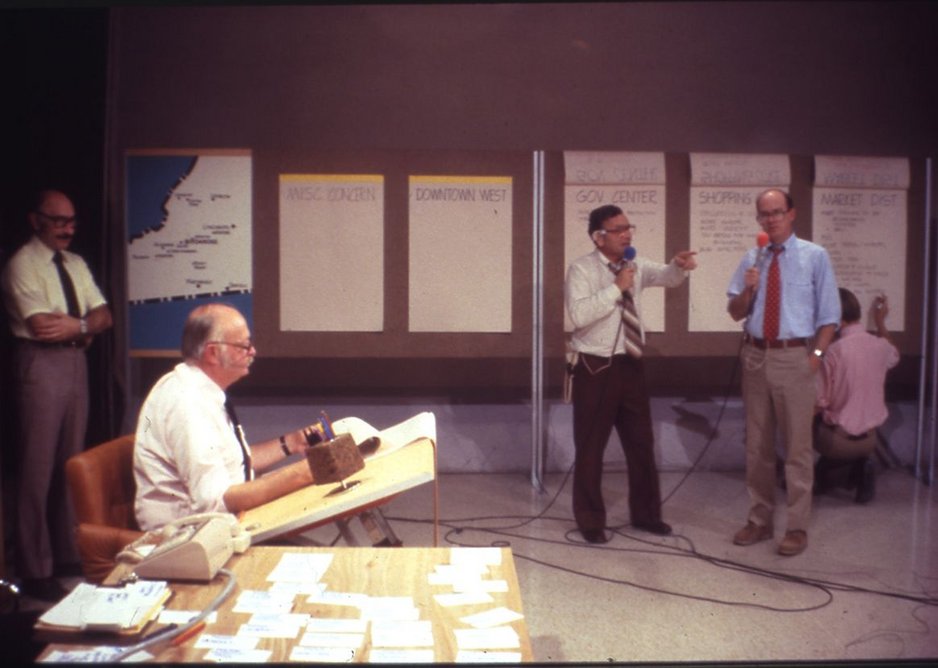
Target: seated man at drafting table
190,454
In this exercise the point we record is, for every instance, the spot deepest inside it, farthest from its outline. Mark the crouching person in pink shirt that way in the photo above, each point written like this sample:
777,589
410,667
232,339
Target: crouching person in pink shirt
851,400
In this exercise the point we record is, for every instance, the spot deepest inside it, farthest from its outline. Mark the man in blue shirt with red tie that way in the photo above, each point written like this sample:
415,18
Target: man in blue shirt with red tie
787,295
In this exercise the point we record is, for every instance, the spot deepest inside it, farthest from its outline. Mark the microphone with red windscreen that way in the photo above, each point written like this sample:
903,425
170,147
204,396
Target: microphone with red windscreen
762,240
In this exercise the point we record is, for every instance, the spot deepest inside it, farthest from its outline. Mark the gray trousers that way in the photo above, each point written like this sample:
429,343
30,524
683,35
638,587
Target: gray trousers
52,401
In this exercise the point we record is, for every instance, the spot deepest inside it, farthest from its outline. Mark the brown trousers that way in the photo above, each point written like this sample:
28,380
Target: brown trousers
609,394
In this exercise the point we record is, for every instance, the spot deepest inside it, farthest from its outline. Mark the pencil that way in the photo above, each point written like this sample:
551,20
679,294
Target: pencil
327,426
188,633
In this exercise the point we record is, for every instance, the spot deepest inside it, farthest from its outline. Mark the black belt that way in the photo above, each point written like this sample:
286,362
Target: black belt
600,358
75,343
776,343
845,434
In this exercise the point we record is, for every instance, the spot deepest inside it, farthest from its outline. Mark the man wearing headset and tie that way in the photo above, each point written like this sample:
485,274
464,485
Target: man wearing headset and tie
603,298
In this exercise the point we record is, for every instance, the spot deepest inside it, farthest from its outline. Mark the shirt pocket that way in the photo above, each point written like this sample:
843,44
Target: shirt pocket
799,288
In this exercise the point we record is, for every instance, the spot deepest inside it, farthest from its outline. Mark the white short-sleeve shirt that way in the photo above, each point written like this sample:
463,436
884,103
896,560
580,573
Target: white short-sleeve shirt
186,454
31,285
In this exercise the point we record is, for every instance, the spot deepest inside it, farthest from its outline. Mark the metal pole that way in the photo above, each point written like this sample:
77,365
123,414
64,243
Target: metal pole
931,311
537,327
926,301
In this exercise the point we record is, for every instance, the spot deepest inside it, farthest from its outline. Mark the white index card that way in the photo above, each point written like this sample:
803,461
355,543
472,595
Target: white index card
500,637
238,655
347,640
269,630
462,598
185,616
417,633
493,617
217,641
490,556
312,654
337,625
464,656
382,656
253,600
300,567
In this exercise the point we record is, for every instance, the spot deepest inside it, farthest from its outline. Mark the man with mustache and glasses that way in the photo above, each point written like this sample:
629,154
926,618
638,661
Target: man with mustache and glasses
603,293
190,454
55,309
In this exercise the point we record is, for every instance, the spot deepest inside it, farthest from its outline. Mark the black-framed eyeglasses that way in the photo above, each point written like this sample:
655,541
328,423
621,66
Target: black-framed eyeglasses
768,215
619,230
58,222
243,346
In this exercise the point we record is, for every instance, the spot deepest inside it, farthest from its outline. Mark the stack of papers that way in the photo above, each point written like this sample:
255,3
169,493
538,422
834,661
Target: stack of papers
422,425
117,609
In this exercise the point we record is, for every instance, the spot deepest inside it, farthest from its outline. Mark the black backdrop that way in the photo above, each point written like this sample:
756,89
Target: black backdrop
54,72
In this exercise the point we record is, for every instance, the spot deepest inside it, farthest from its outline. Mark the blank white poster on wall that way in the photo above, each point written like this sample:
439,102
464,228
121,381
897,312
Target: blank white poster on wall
460,254
861,217
633,181
723,226
331,253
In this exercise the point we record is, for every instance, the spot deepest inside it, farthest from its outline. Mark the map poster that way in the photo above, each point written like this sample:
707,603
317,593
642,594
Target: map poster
723,226
188,219
460,254
633,181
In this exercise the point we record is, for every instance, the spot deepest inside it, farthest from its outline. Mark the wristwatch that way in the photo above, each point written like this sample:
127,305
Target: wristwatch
818,353
83,326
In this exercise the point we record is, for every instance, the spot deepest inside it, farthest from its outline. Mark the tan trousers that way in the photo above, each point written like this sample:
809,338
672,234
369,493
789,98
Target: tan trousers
779,395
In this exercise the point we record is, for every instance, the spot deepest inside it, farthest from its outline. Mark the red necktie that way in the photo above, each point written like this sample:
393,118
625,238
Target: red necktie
773,298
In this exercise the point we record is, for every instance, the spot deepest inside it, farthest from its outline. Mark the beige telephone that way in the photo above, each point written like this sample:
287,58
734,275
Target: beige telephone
190,548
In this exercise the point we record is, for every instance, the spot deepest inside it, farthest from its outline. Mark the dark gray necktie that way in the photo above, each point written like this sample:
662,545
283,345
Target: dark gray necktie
71,298
239,434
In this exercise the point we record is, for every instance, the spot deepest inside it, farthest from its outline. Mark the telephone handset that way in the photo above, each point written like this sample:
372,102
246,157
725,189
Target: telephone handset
190,548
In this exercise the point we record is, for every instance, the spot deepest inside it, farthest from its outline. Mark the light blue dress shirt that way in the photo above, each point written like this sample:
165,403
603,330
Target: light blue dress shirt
809,289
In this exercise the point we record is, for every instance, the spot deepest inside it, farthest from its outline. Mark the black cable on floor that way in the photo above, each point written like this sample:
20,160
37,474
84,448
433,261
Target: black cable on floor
691,551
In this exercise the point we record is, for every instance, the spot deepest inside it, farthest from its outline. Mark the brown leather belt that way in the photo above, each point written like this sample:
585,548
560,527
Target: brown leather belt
776,343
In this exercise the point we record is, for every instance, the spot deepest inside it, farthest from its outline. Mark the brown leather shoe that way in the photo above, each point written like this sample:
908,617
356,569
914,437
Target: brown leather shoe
752,533
793,543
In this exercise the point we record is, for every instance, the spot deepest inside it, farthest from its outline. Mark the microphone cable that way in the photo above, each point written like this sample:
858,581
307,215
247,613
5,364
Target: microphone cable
563,483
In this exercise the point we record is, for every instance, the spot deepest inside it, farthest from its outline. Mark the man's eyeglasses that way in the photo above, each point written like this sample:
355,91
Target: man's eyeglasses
243,346
619,230
762,216
58,222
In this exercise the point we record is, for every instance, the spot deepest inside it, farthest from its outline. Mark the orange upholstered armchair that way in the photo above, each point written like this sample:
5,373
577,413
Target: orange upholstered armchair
101,482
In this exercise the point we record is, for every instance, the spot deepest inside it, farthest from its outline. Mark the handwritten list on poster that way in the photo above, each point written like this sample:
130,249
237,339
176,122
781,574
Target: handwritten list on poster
633,181
326,220
723,226
460,254
860,217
